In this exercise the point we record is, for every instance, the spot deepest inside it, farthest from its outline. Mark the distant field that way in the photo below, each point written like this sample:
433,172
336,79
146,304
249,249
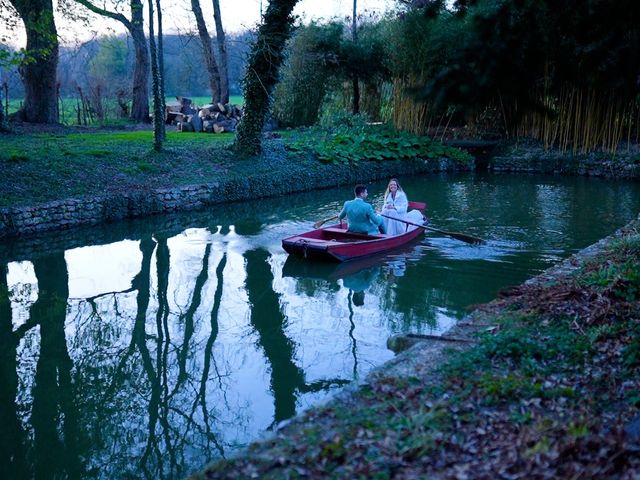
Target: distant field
233,99
70,106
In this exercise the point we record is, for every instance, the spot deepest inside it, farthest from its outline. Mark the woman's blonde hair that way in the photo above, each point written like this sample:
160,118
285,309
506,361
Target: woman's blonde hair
386,192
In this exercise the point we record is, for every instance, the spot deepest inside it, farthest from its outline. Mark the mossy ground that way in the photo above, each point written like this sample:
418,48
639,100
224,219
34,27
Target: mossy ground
546,392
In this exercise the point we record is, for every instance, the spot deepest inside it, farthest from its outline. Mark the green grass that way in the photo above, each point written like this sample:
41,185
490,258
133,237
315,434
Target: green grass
199,101
68,107
44,166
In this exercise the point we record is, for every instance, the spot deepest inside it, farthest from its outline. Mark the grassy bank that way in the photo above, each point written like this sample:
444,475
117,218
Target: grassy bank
64,163
40,167
545,390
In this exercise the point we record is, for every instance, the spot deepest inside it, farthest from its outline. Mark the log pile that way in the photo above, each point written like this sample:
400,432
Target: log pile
211,118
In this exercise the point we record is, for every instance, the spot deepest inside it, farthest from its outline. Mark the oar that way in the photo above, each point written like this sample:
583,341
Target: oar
319,223
458,236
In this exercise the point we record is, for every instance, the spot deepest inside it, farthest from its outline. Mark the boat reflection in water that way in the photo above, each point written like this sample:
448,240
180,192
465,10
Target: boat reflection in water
357,275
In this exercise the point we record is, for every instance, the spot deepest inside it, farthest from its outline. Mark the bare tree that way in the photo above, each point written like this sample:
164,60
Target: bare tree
207,50
156,83
161,60
135,27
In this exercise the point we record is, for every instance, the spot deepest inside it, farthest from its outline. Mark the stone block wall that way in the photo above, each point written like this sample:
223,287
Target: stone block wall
590,164
284,178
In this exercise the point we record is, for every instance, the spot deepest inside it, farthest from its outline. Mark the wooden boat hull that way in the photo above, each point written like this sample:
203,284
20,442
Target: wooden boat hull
336,244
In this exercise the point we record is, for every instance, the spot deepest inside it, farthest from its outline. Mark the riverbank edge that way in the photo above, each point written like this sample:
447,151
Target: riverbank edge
512,158
267,457
279,173
288,175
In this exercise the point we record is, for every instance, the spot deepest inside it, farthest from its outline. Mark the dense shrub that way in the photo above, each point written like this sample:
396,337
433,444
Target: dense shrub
310,54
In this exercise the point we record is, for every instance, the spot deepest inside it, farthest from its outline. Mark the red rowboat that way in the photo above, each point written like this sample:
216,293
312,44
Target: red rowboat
336,244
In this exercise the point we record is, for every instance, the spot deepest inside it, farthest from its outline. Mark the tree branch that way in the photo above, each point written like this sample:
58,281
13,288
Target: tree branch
106,13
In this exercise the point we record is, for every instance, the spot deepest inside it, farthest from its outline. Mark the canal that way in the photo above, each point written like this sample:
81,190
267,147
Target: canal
144,349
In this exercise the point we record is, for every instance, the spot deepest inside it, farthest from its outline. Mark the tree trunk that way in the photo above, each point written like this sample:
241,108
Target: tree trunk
356,94
266,56
161,65
207,50
158,112
140,97
355,80
222,54
38,71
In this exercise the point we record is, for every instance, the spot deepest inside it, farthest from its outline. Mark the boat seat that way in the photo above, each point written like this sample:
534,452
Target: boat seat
336,230
352,234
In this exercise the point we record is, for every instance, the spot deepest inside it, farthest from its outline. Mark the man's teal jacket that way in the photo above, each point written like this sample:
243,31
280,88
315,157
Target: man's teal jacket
361,217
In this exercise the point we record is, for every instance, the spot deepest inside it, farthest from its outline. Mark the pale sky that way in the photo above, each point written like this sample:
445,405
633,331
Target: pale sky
237,15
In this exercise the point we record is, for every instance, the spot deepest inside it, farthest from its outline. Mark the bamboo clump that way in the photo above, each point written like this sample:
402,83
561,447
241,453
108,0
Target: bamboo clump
573,119
408,114
582,120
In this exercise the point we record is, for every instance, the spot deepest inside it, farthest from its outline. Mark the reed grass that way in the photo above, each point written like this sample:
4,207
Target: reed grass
411,116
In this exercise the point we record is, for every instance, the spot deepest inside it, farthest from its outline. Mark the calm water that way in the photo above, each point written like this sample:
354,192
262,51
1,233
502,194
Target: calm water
146,349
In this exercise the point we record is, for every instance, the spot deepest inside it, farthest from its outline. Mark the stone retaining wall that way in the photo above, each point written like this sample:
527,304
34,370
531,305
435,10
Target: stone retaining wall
288,177
592,164
285,177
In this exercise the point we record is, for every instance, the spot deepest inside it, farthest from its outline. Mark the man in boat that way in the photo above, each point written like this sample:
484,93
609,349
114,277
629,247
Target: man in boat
361,218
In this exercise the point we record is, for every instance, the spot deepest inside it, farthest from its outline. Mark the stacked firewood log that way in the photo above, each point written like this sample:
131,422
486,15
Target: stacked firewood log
211,118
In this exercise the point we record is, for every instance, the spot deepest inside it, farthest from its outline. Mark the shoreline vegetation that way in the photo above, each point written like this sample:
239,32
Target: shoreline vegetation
543,384
86,161
62,180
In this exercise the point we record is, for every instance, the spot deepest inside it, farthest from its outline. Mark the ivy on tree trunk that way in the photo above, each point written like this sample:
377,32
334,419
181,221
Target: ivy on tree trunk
156,84
261,76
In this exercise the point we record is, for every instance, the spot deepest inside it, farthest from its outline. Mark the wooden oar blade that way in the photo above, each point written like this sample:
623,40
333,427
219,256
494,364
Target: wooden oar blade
466,238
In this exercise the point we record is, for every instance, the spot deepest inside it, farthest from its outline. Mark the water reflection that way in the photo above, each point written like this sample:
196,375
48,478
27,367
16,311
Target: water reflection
270,324
13,462
147,348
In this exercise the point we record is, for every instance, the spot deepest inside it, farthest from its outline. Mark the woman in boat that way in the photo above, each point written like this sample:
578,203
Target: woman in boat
396,205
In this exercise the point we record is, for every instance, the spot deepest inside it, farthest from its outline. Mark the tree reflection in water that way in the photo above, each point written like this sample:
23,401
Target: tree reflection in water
13,438
107,393
270,324
144,380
